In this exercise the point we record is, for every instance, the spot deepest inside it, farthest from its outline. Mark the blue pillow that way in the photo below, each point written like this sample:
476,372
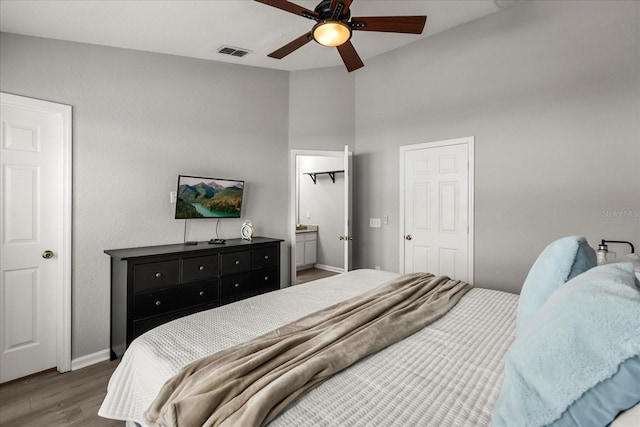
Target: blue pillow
577,360
596,407
559,262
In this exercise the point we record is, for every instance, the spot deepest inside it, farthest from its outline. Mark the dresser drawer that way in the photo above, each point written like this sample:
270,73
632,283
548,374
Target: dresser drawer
154,303
155,274
235,262
199,268
197,294
266,279
248,284
266,256
233,286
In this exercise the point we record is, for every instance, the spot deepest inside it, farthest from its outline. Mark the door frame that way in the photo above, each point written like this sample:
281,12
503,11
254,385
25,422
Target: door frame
469,141
63,290
293,197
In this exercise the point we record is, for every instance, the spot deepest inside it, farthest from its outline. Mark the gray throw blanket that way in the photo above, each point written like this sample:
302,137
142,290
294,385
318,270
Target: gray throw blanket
251,383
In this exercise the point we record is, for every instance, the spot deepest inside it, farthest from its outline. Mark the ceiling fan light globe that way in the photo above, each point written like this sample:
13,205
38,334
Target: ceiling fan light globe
331,33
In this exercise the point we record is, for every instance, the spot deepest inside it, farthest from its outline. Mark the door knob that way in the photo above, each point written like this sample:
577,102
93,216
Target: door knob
47,254
408,237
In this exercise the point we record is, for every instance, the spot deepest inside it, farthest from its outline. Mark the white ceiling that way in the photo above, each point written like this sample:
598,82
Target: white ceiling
199,28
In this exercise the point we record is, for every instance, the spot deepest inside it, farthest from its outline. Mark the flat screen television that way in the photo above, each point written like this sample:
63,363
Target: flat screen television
201,197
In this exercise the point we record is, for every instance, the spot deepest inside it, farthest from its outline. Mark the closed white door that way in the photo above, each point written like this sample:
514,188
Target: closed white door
436,199
31,218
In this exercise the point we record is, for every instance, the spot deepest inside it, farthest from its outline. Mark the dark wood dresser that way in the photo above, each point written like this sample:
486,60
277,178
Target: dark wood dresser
155,284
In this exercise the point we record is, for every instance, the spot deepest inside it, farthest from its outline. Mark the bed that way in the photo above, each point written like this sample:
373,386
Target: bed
449,373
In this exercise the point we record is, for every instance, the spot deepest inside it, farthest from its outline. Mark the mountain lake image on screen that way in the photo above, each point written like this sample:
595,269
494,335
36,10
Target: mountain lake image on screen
201,197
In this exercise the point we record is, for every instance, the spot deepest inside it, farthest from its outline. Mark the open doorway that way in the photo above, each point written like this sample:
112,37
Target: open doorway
320,214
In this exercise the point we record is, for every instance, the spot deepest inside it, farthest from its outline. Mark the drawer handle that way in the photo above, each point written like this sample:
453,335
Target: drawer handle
158,275
237,285
158,302
266,257
237,262
266,278
201,293
202,268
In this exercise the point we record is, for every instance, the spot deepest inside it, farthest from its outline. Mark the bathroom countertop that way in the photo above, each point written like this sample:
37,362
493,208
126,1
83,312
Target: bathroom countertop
302,228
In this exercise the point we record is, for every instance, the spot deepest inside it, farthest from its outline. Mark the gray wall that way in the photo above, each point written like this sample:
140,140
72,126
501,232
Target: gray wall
551,92
321,109
139,120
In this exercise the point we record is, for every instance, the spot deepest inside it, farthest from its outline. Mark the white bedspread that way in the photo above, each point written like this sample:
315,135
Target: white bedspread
447,374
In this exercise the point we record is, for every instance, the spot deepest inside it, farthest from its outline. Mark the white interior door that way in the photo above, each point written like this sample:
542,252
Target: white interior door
437,201
34,248
347,237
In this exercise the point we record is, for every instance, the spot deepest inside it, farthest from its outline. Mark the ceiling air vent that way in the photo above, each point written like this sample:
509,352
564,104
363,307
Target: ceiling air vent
233,51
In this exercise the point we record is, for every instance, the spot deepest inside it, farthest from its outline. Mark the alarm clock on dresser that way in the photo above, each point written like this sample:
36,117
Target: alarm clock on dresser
246,231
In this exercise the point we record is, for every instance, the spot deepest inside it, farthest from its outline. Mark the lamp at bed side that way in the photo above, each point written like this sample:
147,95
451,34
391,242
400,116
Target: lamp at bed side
603,250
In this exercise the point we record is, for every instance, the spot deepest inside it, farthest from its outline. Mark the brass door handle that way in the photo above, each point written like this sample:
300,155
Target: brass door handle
47,254
408,237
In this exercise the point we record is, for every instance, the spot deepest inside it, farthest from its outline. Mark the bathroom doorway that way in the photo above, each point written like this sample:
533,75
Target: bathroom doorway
320,223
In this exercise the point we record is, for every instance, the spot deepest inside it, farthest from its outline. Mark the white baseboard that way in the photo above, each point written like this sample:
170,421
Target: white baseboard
329,268
90,359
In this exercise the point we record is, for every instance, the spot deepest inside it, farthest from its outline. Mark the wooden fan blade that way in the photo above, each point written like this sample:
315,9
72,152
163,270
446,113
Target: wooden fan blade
290,47
389,24
350,57
345,9
291,7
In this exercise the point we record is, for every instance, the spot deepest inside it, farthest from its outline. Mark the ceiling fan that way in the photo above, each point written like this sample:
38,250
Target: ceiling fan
334,26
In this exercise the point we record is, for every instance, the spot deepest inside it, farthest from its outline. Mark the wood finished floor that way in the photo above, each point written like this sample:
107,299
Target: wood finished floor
54,399
309,274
